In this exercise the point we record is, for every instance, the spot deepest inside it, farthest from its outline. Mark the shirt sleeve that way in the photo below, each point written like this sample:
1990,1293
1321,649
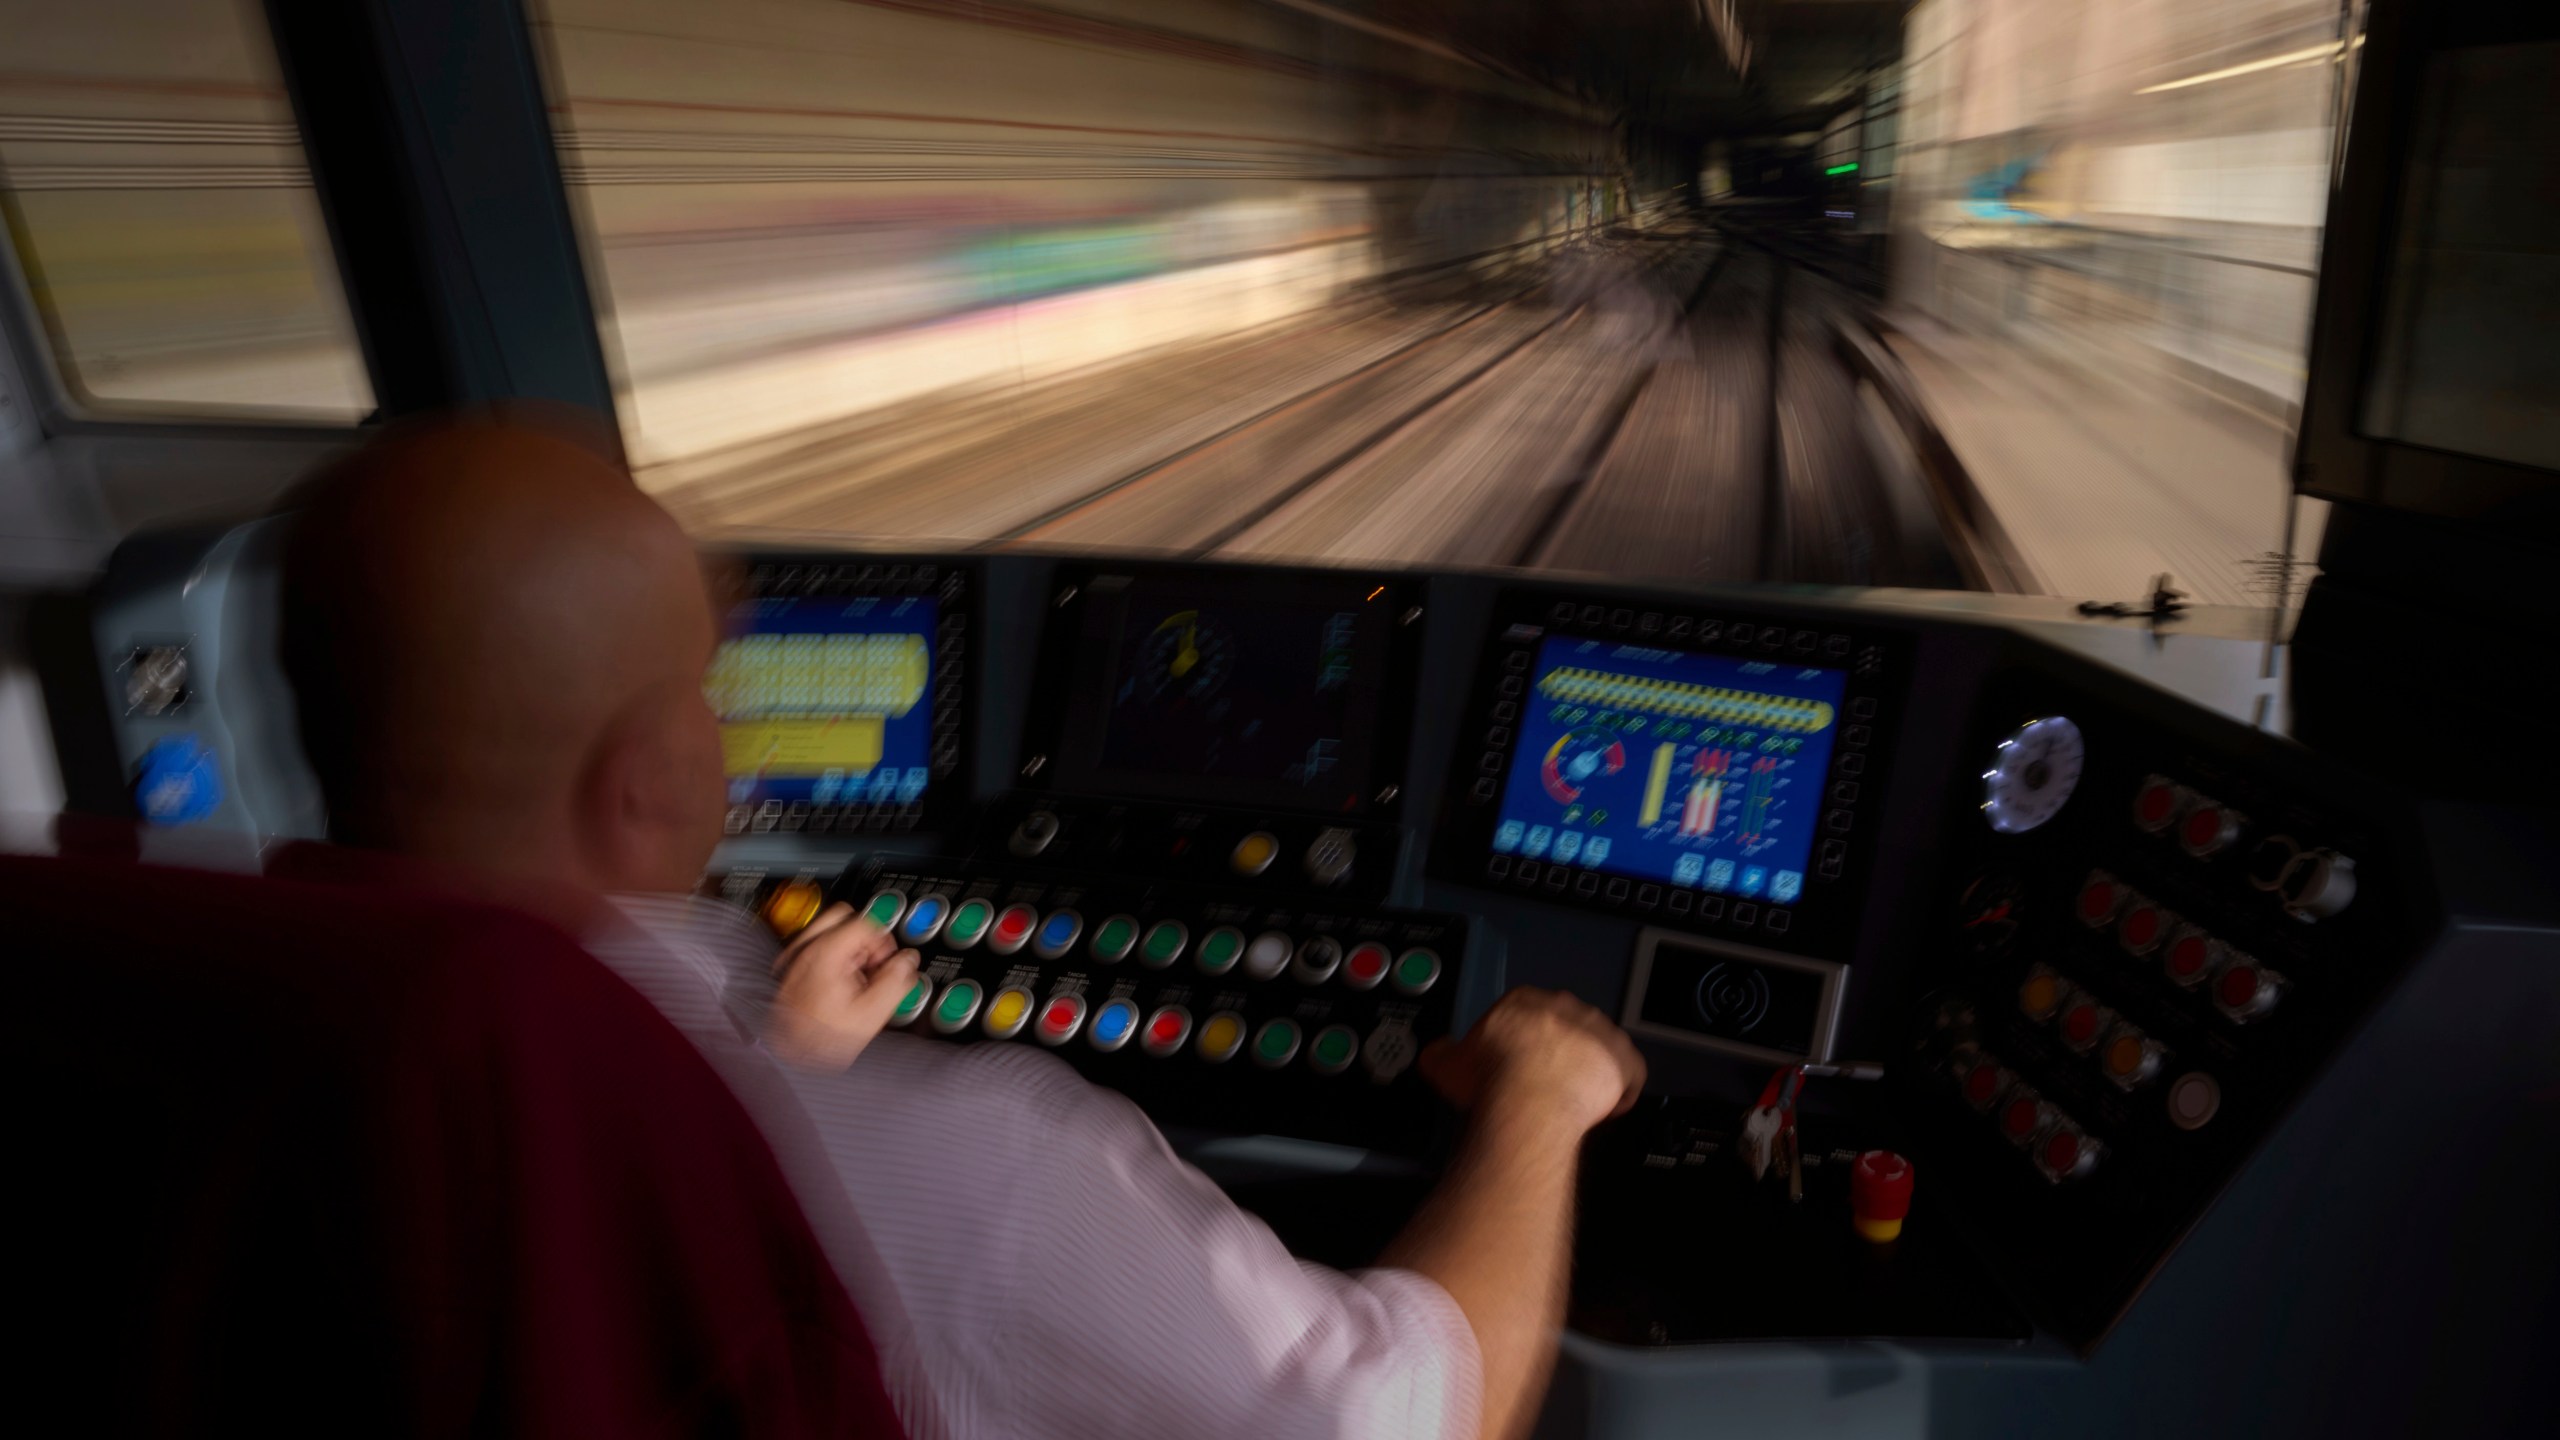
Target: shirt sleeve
1157,1307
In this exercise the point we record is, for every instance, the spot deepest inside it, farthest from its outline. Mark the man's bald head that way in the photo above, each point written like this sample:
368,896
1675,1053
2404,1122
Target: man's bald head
498,643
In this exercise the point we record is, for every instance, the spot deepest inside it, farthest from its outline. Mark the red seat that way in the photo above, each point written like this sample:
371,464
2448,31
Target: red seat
309,1157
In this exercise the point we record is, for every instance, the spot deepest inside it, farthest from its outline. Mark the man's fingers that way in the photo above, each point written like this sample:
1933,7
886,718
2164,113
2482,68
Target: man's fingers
880,993
857,945
827,921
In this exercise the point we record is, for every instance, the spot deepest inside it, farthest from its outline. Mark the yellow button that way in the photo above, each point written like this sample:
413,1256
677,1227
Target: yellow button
1221,1036
1007,1011
1254,853
790,908
2125,1055
2037,997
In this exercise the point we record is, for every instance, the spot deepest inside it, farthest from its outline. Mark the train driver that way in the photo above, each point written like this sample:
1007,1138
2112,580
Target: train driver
498,644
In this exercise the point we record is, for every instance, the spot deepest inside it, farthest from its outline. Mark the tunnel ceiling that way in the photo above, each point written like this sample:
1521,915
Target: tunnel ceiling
1658,61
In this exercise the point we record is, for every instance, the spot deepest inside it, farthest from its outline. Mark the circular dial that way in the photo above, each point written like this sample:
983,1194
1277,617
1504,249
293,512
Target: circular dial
1187,655
2031,775
1577,758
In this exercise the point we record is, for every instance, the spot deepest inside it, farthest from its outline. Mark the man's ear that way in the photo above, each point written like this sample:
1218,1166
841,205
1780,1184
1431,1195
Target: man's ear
641,811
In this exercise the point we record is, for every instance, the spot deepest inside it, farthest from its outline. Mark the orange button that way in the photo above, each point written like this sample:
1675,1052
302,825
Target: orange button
2040,994
791,907
2125,1056
1253,854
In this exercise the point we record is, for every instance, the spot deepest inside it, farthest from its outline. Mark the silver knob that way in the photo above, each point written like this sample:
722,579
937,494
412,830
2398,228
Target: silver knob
1034,834
1329,857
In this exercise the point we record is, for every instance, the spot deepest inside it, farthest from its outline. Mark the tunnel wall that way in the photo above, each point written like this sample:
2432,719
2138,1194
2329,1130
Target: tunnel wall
2143,175
803,210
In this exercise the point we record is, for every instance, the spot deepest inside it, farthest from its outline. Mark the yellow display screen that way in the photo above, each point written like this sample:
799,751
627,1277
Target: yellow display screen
825,700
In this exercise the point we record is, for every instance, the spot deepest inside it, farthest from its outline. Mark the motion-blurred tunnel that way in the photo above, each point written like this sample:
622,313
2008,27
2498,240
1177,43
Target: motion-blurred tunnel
1957,293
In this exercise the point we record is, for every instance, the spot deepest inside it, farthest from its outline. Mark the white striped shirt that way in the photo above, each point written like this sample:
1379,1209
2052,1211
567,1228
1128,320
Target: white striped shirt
1056,1270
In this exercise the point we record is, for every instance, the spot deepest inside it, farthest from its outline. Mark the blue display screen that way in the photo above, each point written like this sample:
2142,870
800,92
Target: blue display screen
827,701
1693,770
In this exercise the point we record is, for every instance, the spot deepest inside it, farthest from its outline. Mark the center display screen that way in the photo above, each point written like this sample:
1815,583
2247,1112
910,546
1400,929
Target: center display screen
1703,771
1223,688
824,700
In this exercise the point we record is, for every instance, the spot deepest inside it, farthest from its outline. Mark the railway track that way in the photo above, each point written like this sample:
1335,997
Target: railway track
1678,407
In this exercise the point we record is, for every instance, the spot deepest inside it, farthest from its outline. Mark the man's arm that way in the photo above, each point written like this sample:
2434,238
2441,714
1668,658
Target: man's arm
1537,1072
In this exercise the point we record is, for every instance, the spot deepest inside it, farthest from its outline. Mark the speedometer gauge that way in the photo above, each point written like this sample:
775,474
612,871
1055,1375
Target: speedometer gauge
2032,774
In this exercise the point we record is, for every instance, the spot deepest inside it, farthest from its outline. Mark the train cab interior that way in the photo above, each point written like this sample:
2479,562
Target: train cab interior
1595,560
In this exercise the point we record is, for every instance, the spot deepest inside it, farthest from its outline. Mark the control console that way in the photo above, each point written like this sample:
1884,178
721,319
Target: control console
1213,1011
2155,938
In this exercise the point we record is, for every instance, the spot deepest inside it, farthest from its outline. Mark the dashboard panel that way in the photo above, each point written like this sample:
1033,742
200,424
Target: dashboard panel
1241,840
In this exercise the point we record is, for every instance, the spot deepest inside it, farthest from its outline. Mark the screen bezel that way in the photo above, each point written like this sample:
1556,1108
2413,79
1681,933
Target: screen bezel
952,585
1824,921
1047,766
2333,458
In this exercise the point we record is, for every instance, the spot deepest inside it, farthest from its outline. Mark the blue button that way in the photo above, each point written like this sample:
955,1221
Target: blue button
1058,934
180,782
1112,1025
925,920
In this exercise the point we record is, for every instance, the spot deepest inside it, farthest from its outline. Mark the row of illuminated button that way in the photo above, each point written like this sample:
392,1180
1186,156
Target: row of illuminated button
1116,1022
2127,1057
2241,988
2060,1148
2204,826
1312,961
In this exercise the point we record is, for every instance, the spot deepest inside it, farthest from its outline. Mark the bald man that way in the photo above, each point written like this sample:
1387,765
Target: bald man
498,645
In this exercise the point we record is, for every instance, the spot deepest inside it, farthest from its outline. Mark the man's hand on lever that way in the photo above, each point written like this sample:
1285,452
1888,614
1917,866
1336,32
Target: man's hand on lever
837,984
1535,1074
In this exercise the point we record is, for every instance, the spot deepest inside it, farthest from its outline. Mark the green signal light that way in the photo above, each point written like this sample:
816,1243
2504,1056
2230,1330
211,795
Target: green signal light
1841,169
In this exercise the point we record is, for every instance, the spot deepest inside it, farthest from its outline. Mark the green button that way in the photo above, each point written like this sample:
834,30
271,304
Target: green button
958,1003
1111,941
885,908
1333,1050
1416,971
968,923
1277,1044
913,1005
1219,949
1165,942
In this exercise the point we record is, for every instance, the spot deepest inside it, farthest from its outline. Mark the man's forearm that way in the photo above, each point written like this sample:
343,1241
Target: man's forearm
1498,1236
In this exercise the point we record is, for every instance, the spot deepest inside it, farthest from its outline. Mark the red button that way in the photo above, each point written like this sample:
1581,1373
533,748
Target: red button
2020,1118
2158,801
2189,956
2080,1024
1014,923
1166,1030
2239,987
1367,963
1880,1186
2098,902
2141,928
2062,1152
1062,1013
2208,829
1982,1083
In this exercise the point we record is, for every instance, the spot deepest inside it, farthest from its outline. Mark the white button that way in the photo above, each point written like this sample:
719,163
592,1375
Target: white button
1268,955
2193,1100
